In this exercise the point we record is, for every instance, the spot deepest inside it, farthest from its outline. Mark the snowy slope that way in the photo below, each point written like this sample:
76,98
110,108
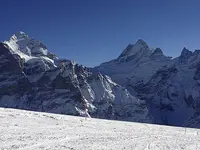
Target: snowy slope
26,130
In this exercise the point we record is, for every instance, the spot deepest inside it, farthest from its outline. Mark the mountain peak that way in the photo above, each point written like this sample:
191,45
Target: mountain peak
157,51
131,50
196,52
141,42
19,35
185,50
185,53
21,42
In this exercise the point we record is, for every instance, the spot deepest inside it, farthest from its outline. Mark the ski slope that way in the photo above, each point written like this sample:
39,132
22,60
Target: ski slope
26,130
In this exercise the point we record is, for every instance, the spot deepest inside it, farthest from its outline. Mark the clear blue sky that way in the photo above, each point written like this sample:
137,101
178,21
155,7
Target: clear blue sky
93,31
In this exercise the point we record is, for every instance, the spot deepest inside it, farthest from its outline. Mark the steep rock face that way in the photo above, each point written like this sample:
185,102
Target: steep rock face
12,79
169,99
9,62
169,86
111,101
40,81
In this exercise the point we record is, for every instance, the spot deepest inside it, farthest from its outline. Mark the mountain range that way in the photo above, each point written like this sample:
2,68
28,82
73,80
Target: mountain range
141,85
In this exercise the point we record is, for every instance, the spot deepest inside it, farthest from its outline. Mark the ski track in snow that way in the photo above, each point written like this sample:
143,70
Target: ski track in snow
26,130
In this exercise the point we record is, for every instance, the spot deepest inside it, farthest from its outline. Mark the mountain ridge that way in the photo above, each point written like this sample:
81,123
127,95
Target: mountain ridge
142,84
47,83
169,86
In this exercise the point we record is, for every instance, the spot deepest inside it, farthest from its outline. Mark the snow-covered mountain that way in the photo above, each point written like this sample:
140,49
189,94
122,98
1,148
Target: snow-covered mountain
142,84
35,79
170,87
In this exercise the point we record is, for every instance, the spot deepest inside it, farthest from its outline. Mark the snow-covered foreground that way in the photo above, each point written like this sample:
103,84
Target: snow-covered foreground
26,130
